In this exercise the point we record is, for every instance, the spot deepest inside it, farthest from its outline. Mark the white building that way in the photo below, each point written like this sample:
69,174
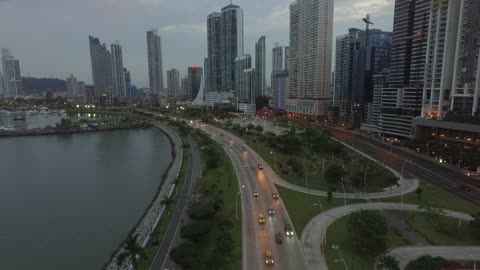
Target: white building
173,82
310,58
72,86
118,74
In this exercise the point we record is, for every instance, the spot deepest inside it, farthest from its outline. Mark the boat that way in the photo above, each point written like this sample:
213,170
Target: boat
19,118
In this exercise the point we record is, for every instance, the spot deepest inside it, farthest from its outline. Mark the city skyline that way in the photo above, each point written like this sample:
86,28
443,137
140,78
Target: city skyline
178,32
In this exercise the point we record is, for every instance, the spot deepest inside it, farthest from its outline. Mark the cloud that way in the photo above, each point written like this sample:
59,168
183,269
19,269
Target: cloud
277,19
185,28
352,10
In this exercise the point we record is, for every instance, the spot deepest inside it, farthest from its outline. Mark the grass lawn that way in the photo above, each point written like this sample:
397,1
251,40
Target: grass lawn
165,220
337,235
227,184
378,177
303,207
441,230
439,198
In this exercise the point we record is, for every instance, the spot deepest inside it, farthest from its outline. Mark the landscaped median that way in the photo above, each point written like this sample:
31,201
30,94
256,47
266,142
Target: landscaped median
211,238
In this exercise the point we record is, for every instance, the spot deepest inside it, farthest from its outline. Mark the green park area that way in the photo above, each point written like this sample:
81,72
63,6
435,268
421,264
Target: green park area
313,160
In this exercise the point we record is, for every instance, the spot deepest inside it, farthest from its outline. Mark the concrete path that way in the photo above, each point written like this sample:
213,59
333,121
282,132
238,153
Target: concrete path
406,254
314,233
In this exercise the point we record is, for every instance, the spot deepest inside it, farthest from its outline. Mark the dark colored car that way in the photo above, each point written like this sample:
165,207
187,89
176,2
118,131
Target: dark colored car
278,238
466,188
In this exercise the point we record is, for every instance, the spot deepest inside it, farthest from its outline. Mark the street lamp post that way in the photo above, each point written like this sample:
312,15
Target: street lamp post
344,196
365,176
337,248
276,161
403,181
236,205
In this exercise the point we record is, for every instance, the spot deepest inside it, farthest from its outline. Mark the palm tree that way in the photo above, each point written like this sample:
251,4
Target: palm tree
131,251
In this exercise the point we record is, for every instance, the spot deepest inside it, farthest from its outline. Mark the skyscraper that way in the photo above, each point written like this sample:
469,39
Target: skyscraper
287,57
231,43
12,76
214,62
128,78
244,83
101,66
407,66
311,30
358,57
72,86
155,67
194,82
182,96
277,58
279,89
173,82
260,63
118,74
2,87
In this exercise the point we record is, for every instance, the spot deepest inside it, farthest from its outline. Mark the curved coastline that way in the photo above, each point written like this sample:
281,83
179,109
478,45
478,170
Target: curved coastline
150,218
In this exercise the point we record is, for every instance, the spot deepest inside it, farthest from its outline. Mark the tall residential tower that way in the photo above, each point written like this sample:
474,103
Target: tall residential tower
310,64
101,66
12,76
260,63
155,67
118,74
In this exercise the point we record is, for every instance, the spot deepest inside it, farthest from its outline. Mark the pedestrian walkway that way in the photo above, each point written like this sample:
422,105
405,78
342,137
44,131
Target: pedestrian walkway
314,233
455,253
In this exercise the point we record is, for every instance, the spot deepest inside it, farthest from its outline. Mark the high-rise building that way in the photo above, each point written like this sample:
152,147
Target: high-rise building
260,63
452,59
194,82
173,82
2,87
310,64
466,82
118,74
81,90
128,78
407,66
280,89
214,63
182,96
287,57
72,86
12,76
89,94
101,61
277,58
131,94
155,67
231,43
359,55
244,83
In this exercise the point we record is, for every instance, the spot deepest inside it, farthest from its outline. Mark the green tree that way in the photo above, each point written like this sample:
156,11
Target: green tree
250,127
475,224
259,129
186,255
368,230
329,196
388,263
194,230
65,123
428,263
419,193
131,251
334,174
228,123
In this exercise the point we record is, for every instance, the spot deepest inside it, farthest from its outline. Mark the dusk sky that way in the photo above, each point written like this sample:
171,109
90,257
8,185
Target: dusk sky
50,37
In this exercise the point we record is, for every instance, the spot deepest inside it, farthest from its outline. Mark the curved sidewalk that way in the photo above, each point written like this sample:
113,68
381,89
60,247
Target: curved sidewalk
314,233
457,253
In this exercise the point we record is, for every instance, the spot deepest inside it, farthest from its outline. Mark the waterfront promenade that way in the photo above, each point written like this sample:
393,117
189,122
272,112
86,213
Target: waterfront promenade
155,211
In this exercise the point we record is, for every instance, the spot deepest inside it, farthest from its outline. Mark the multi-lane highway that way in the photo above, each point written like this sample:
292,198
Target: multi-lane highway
421,167
259,238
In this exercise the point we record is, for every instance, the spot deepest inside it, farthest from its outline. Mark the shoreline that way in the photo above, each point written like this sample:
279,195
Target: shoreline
73,130
154,211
